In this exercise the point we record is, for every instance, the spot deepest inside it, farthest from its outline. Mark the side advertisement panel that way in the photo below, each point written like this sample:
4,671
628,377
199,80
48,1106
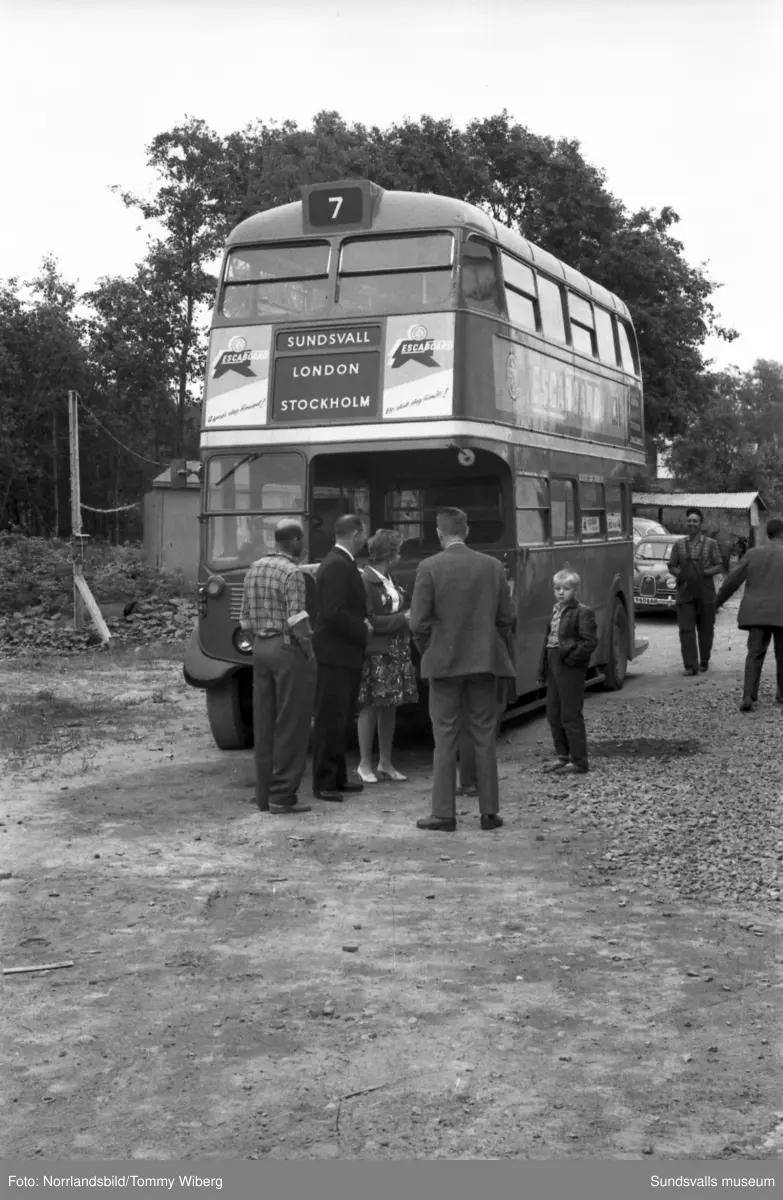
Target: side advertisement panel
537,392
418,378
237,383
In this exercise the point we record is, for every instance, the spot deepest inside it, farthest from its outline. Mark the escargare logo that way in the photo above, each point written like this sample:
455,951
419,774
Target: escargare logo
418,347
237,358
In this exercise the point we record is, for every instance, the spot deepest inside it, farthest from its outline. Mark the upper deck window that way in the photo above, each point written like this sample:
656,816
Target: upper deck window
582,325
370,254
605,332
395,274
627,348
275,281
481,276
550,298
520,284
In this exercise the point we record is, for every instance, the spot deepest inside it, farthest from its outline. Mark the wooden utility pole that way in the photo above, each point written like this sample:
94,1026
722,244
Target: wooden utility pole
82,596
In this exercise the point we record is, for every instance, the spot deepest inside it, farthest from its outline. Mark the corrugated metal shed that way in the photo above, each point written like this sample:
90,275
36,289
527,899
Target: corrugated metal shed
733,501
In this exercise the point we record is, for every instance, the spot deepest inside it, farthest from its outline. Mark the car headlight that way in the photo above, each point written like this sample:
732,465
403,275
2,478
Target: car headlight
243,641
215,585
671,582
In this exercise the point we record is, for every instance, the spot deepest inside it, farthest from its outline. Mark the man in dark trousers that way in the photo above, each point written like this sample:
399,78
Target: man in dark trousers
761,609
339,641
274,611
462,623
694,562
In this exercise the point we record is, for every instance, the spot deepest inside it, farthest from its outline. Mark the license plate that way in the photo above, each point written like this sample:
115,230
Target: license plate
648,600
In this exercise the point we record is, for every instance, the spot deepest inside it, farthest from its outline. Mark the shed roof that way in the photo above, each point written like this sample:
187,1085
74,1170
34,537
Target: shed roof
737,501
193,480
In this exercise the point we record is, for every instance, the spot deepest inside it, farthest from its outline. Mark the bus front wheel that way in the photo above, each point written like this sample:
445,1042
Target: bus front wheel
617,666
230,713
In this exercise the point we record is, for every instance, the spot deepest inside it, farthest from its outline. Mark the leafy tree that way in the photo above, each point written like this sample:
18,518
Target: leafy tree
736,442
188,161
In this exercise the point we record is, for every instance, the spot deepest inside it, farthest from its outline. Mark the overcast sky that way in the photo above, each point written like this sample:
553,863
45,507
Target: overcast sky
679,102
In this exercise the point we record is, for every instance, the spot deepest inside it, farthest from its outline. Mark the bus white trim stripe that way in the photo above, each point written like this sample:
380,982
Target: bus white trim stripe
325,435
425,431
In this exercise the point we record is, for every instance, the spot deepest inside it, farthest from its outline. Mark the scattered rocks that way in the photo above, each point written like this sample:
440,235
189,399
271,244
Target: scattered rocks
351,947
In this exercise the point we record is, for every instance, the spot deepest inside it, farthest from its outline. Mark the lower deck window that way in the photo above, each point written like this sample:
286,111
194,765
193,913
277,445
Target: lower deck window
411,508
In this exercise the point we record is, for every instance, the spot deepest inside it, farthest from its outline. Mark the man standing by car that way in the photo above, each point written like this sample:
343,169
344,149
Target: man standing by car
694,563
274,611
761,609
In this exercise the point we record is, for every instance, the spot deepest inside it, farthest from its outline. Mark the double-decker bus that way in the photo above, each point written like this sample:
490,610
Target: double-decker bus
391,353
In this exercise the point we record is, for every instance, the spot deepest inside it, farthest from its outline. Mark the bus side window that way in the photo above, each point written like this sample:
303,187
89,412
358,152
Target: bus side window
563,510
603,328
551,304
627,348
533,515
580,313
616,526
591,509
480,276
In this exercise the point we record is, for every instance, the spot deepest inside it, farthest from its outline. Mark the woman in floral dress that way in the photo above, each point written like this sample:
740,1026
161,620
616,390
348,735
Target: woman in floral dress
389,677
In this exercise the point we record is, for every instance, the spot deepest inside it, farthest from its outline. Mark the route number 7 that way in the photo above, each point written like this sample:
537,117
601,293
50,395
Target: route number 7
338,202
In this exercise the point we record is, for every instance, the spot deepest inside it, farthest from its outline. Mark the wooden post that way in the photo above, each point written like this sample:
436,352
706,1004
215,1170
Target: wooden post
76,506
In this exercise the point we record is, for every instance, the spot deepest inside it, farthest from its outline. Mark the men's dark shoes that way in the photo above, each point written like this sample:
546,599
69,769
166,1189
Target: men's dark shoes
282,809
329,794
691,671
557,765
491,821
704,667
438,824
351,787
569,768
746,705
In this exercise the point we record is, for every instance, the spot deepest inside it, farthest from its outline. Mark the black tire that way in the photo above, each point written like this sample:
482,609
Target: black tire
616,668
227,711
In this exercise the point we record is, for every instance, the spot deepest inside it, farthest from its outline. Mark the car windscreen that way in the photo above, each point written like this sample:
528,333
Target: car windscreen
655,551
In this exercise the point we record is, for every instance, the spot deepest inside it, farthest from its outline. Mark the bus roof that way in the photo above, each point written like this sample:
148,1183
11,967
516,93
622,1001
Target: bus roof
400,211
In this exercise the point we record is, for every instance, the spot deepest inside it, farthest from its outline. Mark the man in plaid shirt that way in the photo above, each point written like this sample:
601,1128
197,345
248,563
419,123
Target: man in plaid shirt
273,610
694,563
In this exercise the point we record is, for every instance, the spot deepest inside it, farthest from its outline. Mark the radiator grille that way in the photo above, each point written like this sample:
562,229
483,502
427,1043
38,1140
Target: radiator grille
647,587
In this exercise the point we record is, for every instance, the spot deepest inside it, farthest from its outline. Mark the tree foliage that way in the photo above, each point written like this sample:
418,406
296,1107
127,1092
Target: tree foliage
735,443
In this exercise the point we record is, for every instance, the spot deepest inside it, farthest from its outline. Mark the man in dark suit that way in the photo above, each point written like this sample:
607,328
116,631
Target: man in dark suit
462,623
339,641
761,609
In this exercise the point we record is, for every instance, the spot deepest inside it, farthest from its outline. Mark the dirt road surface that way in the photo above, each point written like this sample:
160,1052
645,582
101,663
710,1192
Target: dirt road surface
341,985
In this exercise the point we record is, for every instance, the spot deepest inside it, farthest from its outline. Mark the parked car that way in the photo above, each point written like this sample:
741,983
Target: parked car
643,528
653,586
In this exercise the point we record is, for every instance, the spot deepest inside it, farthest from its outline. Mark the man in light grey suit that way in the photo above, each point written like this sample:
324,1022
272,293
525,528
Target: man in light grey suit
462,624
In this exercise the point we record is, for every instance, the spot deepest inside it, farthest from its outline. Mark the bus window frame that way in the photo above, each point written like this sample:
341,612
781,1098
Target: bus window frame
545,511
471,304
581,324
396,237
566,538
515,289
623,532
615,363
630,333
592,510
559,285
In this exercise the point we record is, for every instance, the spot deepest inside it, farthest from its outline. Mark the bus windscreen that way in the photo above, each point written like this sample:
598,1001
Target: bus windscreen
276,281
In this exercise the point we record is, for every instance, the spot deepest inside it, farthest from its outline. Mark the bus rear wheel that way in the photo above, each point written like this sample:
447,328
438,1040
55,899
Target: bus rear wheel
617,666
229,713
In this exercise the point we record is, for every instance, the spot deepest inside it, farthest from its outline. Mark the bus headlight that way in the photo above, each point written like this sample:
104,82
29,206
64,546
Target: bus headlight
215,586
243,641
671,582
